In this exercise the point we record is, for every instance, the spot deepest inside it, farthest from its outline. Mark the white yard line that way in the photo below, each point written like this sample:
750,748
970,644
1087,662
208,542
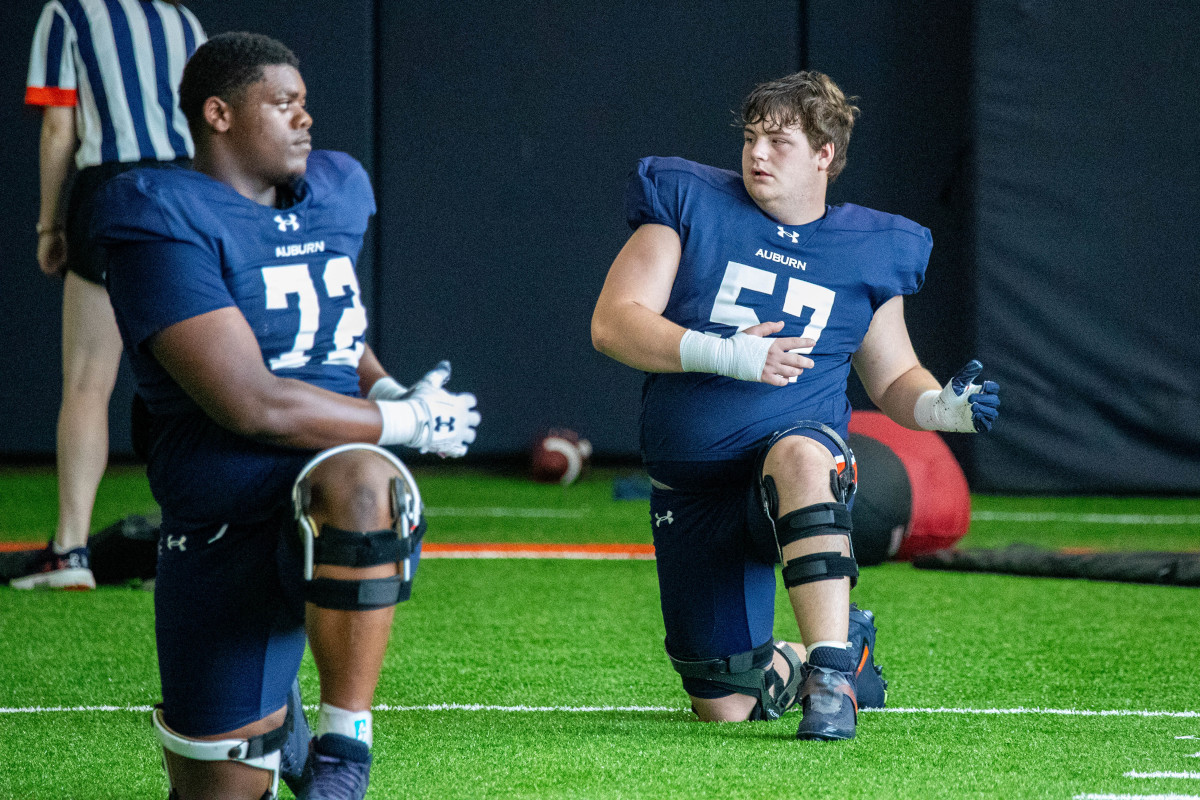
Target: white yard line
1067,712
1137,797
978,516
1195,776
1100,519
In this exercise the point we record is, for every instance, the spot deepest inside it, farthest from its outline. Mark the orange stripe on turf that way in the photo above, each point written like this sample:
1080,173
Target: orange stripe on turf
522,550
13,547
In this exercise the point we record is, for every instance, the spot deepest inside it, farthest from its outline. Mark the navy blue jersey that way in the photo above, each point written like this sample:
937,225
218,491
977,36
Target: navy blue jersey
739,267
179,244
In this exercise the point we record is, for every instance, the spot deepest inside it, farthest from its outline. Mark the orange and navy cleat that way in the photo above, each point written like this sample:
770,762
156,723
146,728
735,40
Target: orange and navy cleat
870,686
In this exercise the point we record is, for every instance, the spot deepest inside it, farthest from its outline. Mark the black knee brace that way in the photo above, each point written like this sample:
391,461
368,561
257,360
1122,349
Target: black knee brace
337,547
334,546
751,673
821,519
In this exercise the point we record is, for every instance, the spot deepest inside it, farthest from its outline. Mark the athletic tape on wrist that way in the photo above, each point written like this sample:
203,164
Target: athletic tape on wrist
400,423
923,411
386,388
741,356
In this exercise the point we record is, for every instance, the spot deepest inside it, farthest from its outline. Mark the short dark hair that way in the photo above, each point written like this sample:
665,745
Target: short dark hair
224,66
814,102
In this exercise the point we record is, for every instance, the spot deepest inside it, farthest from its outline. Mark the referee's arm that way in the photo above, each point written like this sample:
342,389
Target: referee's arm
58,143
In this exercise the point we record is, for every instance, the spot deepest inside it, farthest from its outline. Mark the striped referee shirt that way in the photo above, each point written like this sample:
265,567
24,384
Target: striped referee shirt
119,63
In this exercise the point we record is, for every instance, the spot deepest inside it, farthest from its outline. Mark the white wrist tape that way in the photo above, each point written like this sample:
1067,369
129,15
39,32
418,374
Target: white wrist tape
400,422
741,356
923,411
945,411
386,388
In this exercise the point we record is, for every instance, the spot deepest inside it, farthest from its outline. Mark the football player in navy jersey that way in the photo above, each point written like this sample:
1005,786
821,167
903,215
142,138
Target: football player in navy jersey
747,299
236,297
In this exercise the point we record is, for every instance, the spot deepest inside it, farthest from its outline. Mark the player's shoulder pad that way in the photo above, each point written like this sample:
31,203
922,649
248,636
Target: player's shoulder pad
907,237
907,243
849,217
669,172
659,185
148,204
333,173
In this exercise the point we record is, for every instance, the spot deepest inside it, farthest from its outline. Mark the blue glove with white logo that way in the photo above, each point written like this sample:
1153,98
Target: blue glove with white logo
961,406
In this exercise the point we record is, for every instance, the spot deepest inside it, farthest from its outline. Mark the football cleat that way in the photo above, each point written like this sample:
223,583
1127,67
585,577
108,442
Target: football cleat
295,762
870,686
341,769
829,708
50,570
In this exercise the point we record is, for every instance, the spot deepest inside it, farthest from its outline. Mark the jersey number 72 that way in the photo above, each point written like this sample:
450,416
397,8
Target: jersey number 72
338,278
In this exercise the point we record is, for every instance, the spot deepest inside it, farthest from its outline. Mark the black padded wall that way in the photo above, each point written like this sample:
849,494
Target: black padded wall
500,139
30,354
507,134
910,66
1088,198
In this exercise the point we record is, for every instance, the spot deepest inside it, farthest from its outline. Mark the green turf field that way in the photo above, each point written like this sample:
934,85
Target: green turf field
546,678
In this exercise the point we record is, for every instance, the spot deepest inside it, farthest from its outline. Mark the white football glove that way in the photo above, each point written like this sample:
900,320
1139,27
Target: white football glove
446,422
962,406
386,388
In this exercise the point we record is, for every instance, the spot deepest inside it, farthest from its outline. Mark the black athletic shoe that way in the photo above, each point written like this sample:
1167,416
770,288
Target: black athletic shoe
341,769
829,707
870,686
295,757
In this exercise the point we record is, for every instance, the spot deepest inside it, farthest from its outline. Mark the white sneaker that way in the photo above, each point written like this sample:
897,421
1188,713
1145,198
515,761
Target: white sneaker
71,570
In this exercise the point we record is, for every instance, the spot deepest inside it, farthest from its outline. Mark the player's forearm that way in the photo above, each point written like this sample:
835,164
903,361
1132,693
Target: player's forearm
900,397
370,371
56,149
296,414
637,337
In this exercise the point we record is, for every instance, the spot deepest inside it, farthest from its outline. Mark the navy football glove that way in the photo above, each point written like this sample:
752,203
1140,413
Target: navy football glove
962,406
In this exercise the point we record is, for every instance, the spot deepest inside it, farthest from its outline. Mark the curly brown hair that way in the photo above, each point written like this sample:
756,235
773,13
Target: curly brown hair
811,100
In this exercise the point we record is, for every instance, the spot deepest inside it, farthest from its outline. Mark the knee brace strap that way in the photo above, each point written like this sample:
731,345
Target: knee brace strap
261,752
337,547
362,595
821,519
820,567
344,548
749,673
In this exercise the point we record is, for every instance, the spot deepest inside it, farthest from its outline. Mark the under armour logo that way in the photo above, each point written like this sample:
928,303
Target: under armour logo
793,235
172,542
439,423
295,223
659,519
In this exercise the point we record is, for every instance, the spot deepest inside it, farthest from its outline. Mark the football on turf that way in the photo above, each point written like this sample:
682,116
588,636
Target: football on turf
559,456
